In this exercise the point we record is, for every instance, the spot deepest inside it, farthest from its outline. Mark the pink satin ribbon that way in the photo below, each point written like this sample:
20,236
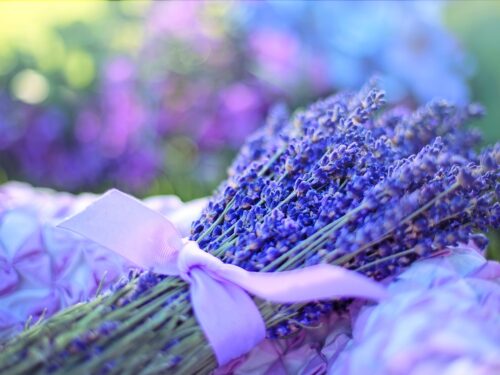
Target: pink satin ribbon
219,292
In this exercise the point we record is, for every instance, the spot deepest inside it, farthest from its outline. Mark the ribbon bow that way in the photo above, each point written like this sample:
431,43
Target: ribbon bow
219,292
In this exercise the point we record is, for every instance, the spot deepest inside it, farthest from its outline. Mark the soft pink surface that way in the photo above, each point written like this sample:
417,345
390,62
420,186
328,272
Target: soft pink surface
46,268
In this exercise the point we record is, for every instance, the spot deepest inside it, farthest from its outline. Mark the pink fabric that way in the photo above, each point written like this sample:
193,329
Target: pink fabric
224,310
430,324
44,269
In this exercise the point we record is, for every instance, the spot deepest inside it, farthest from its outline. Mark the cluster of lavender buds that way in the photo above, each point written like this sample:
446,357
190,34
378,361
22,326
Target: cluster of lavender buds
342,182
345,184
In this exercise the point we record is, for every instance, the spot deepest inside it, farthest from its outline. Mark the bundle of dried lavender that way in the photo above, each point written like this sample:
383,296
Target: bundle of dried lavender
340,183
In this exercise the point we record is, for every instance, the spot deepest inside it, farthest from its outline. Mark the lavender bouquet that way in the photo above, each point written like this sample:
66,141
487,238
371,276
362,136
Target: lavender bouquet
340,182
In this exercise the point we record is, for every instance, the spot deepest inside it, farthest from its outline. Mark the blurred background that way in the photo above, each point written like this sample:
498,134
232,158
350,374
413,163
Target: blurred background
156,97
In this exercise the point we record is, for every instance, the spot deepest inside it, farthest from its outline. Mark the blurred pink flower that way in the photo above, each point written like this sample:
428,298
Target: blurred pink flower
276,53
180,19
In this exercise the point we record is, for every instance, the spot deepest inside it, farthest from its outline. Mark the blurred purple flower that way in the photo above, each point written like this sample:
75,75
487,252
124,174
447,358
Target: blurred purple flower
276,53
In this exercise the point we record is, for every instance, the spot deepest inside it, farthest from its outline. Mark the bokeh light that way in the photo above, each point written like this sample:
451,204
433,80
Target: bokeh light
30,87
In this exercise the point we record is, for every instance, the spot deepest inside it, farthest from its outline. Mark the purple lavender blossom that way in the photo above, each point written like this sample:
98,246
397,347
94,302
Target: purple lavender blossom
341,182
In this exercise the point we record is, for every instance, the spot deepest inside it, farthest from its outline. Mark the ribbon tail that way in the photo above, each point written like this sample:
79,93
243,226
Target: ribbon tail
124,225
227,314
318,282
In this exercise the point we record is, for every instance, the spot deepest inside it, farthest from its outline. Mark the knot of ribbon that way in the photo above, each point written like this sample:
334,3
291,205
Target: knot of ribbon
219,292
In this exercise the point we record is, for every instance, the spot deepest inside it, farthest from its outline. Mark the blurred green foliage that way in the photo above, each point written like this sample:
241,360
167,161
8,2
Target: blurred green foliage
476,24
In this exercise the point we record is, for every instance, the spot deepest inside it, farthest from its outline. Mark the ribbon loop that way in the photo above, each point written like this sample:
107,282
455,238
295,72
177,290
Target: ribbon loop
191,256
219,292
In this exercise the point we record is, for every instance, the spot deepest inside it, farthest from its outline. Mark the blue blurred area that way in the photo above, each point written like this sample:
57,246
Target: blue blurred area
405,42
